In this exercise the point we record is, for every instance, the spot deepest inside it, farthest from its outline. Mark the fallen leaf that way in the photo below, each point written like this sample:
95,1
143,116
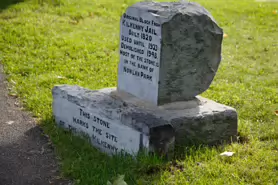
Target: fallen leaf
13,94
118,181
42,150
60,77
91,14
13,82
10,122
228,154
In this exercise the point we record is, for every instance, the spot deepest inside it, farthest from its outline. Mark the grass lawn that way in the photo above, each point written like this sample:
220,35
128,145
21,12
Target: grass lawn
48,42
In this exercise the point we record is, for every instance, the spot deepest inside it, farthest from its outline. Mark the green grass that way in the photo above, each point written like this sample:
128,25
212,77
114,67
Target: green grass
49,42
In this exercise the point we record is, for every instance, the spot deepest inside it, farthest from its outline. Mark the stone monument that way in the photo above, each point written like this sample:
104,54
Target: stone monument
169,54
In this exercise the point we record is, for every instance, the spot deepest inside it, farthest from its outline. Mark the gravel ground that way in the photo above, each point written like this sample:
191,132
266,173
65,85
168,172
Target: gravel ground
26,155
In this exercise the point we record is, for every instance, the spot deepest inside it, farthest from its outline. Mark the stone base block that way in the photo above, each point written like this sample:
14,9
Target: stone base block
119,122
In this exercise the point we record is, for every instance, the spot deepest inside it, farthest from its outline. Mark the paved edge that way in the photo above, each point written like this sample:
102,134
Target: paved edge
26,154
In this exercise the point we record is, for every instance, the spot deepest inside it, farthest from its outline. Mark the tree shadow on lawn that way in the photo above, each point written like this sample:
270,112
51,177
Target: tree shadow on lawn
6,3
87,165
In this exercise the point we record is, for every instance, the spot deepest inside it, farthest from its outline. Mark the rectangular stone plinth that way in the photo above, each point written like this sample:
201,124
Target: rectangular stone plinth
112,124
119,122
202,121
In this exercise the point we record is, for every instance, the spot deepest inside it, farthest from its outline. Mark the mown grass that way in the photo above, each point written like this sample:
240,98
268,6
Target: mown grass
49,42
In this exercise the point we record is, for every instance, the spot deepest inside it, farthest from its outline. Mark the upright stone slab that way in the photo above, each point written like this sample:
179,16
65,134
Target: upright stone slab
168,51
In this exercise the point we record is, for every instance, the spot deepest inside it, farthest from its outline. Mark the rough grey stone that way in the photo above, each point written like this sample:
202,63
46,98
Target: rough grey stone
190,52
202,121
96,113
159,127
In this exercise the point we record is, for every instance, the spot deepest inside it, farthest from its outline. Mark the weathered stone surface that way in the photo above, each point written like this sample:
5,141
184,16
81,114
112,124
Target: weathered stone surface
202,121
113,125
133,125
169,51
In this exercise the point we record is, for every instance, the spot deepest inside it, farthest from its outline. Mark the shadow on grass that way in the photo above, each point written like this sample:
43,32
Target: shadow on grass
6,3
88,165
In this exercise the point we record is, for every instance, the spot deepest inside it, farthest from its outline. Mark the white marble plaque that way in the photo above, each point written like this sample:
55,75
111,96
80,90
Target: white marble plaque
140,43
108,135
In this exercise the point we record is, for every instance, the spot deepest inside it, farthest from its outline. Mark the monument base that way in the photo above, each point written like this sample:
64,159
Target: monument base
119,122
